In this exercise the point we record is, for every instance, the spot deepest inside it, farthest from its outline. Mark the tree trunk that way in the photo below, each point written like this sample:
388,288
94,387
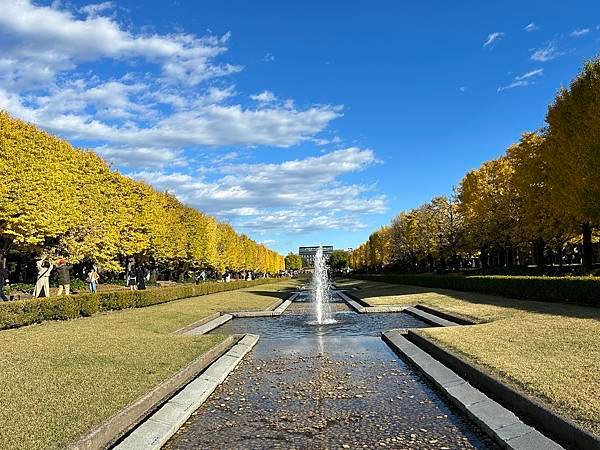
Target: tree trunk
501,258
509,256
538,252
588,249
484,258
560,255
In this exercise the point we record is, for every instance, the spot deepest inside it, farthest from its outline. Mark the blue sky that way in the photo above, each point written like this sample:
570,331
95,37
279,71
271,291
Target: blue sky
298,122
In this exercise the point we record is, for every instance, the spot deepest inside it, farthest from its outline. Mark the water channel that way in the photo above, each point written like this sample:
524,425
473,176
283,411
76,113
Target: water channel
335,385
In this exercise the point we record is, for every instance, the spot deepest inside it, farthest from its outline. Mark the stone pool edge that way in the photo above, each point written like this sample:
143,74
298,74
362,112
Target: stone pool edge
493,418
111,430
359,307
215,320
561,429
162,424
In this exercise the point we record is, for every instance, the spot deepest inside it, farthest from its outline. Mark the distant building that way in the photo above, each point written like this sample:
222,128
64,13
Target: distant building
308,254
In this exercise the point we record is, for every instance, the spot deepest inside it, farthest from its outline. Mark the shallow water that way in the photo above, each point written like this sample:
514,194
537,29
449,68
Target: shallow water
310,386
293,326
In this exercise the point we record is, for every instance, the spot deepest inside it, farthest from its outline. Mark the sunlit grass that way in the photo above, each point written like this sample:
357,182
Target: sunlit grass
60,379
548,350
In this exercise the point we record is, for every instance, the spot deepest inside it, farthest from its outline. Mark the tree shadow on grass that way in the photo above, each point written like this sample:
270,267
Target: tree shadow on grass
275,294
413,295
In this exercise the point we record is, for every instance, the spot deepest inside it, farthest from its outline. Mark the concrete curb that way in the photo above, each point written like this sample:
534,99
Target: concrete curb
429,318
561,429
164,423
444,315
198,323
356,306
209,326
498,422
278,311
108,432
274,305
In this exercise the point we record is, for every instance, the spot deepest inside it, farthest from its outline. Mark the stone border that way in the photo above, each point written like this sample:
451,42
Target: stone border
563,430
359,308
278,311
112,429
196,324
210,325
444,315
153,433
497,421
363,306
277,308
216,320
431,319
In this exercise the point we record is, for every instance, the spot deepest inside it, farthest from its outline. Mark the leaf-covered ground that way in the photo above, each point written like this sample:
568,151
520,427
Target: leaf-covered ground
548,350
60,379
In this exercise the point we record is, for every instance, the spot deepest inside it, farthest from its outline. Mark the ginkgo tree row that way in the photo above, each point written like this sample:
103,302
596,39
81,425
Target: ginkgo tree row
60,201
540,198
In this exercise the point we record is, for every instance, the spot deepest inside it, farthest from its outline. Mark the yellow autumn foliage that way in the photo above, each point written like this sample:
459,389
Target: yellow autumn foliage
541,195
62,201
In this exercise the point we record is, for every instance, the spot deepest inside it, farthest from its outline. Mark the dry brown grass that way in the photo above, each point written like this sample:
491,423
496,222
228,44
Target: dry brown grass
550,351
60,379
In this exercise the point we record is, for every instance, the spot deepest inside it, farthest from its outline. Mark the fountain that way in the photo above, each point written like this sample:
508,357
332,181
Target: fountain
320,290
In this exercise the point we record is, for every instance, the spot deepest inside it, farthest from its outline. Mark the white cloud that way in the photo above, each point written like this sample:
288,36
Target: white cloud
522,80
291,196
513,85
154,105
580,32
531,73
493,38
156,114
531,27
37,42
213,125
96,8
547,53
134,157
264,97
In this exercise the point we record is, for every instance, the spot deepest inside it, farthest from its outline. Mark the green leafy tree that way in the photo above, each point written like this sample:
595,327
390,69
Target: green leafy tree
293,262
338,259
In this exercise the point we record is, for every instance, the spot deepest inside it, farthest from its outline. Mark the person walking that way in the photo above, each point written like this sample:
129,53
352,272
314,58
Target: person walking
93,278
42,284
140,275
3,282
131,280
64,277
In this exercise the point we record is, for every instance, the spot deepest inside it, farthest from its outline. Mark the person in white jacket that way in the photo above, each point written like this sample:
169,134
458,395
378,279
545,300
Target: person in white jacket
42,285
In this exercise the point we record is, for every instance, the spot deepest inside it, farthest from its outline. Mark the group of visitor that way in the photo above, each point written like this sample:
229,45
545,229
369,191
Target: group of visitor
136,278
42,283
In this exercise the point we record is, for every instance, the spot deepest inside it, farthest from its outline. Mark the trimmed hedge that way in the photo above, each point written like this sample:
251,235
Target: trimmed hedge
19,313
580,290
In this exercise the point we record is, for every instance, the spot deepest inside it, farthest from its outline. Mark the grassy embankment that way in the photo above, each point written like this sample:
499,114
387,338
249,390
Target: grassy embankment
548,350
60,379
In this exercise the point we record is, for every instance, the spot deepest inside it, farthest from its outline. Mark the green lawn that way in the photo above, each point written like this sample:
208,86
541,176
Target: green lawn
60,379
548,350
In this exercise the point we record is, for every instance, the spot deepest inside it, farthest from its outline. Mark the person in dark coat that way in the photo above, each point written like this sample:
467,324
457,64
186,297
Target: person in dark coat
140,275
64,277
3,282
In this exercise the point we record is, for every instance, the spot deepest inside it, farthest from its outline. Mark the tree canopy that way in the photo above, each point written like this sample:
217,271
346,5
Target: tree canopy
62,201
541,194
293,261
